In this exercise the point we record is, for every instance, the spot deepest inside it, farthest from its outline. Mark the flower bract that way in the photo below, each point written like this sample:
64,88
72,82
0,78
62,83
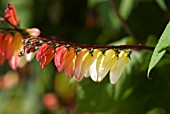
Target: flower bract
80,62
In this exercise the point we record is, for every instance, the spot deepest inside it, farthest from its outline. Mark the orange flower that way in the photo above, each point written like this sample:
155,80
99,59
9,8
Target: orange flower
10,47
0,41
45,54
2,58
11,15
15,44
80,61
60,54
42,49
83,62
5,43
68,62
14,61
13,50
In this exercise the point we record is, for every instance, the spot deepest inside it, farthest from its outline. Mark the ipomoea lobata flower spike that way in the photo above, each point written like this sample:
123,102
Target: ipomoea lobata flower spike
79,60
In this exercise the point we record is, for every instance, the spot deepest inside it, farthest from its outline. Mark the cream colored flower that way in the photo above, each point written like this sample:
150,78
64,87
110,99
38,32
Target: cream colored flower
118,67
94,68
106,63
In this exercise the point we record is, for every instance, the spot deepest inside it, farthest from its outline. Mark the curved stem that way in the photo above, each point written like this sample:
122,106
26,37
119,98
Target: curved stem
132,47
124,24
12,29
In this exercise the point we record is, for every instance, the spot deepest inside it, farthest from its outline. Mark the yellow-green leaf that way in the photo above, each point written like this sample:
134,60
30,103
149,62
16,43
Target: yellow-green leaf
160,48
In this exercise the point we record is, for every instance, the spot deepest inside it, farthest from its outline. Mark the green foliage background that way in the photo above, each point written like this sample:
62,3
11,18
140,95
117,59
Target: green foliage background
95,22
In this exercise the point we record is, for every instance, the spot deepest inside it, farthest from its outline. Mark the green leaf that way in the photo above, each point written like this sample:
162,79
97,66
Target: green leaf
157,111
94,97
92,3
162,4
126,8
160,48
101,97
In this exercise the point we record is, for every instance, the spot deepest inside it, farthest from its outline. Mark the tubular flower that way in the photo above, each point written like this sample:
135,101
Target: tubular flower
45,54
83,61
14,45
60,54
2,58
33,32
87,61
10,46
11,15
68,62
94,68
79,60
13,50
17,62
6,41
10,43
108,60
118,67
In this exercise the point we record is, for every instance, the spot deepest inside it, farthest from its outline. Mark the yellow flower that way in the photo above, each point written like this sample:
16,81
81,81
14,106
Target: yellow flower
106,63
81,62
118,67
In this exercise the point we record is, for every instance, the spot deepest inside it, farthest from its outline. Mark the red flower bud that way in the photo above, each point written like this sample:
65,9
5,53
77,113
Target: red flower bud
11,15
45,54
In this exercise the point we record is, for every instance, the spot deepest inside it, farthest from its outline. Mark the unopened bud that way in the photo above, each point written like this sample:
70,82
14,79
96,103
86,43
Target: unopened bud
33,32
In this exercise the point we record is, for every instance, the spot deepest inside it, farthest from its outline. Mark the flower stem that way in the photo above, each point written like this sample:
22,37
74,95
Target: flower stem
121,47
12,29
122,20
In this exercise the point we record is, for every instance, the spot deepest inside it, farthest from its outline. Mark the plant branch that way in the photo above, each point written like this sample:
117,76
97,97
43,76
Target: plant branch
22,31
12,29
124,24
121,47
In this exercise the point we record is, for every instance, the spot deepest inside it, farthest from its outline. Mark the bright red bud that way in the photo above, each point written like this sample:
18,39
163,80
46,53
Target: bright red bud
11,15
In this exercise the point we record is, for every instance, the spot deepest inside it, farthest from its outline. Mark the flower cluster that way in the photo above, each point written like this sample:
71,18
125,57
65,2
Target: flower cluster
9,48
11,39
78,61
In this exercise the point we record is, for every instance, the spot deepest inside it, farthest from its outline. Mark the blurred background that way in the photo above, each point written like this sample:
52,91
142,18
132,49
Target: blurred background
33,90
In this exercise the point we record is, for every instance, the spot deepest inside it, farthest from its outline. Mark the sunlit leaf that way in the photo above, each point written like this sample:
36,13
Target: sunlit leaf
160,49
157,111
